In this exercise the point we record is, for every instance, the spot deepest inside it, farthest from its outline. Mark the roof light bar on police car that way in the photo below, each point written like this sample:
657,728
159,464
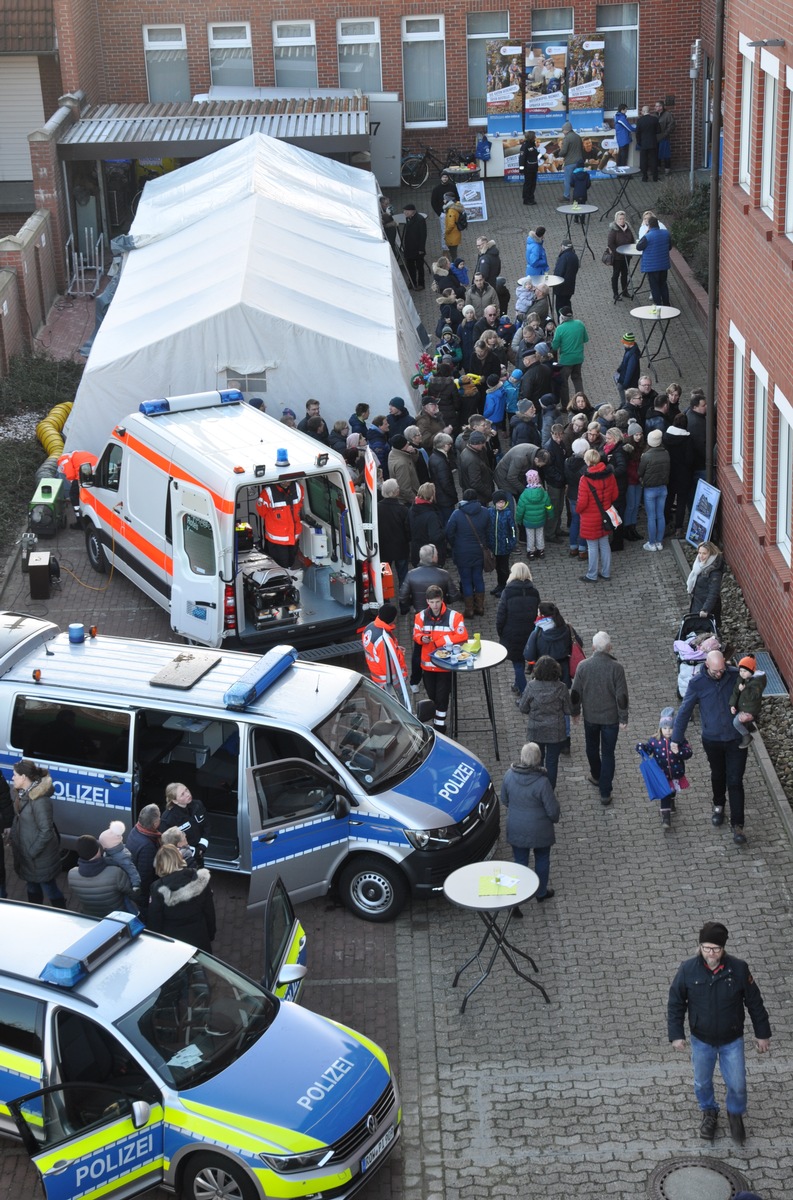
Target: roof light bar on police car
92,949
155,408
255,682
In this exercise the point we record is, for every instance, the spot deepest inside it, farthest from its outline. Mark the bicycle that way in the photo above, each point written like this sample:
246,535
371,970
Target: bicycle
415,166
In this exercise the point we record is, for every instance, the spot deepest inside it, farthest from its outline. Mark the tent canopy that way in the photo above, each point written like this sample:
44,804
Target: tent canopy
262,260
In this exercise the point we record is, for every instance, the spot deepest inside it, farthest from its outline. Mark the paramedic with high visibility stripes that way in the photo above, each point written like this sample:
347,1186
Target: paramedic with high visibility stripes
279,506
385,657
435,628
69,467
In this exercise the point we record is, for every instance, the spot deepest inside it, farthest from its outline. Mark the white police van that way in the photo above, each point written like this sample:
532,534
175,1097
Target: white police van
307,771
129,1060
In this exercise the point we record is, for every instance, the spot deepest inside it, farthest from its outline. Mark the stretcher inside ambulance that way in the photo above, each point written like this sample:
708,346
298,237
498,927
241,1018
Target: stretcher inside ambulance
242,528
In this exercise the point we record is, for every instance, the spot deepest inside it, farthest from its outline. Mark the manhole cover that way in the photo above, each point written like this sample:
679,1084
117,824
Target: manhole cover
695,1179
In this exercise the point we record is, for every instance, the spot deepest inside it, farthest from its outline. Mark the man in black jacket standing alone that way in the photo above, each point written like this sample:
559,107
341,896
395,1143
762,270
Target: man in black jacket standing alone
414,245
715,989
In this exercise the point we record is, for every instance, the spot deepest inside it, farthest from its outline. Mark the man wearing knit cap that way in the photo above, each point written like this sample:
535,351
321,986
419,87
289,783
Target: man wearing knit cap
97,886
629,370
715,990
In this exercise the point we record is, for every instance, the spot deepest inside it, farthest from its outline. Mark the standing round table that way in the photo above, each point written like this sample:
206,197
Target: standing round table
584,211
636,257
621,177
492,890
491,654
550,281
655,318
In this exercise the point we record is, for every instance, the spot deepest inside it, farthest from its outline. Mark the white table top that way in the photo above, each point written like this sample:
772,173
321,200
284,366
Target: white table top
621,173
577,210
462,886
629,251
549,280
648,312
491,654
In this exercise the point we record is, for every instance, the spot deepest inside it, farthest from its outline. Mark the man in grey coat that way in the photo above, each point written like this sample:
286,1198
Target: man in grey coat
97,885
571,151
602,691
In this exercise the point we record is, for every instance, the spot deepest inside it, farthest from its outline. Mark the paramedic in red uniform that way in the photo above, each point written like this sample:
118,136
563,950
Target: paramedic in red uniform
279,507
384,655
437,628
69,467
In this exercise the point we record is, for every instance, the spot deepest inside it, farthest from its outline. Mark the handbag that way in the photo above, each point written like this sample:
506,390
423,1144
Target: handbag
607,258
610,517
577,655
488,557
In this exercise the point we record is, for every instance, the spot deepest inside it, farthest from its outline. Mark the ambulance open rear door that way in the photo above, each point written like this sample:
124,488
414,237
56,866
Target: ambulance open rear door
371,533
197,588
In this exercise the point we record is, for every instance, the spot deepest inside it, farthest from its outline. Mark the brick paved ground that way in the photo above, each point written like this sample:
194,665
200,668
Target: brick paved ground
583,1097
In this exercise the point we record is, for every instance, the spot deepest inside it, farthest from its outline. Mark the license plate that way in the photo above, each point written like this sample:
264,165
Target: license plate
378,1148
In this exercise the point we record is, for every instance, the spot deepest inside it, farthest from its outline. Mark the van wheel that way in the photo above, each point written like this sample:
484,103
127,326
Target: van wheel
373,888
212,1177
95,551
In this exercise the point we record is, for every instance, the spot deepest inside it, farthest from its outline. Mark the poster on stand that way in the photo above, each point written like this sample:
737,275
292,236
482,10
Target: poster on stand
585,90
545,100
600,154
504,88
472,198
703,513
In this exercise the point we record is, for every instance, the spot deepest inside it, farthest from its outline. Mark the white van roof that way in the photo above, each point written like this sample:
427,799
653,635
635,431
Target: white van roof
120,671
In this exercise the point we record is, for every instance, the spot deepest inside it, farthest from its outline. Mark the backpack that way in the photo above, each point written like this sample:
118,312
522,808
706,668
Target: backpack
462,221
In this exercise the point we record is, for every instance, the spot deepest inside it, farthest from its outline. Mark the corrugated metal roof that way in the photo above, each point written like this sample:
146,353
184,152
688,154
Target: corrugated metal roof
27,27
219,121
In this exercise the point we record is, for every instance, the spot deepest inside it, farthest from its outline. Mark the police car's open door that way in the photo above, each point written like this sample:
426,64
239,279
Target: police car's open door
284,945
196,591
371,533
83,1138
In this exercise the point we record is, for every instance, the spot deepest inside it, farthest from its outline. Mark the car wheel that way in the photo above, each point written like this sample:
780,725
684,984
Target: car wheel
373,888
212,1177
95,551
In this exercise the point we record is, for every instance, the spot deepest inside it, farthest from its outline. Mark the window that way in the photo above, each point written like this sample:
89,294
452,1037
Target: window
480,27
231,55
71,733
295,53
738,370
424,70
551,20
784,497
745,115
359,55
249,385
760,432
21,1025
108,469
199,544
619,25
167,72
770,69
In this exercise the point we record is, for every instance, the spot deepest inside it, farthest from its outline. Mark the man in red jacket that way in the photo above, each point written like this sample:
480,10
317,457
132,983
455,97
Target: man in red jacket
384,655
437,627
279,506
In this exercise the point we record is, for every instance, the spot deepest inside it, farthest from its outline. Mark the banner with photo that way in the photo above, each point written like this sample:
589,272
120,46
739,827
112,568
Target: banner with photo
504,87
473,200
585,90
600,154
545,99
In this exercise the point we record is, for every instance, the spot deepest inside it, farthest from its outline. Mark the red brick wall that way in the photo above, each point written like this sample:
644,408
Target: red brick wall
754,247
80,45
12,322
51,83
664,61
30,255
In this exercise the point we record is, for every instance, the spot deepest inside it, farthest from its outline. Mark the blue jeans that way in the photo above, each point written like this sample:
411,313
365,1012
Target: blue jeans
472,578
633,498
576,541
402,567
50,889
599,548
550,759
733,1071
654,501
520,675
601,742
542,864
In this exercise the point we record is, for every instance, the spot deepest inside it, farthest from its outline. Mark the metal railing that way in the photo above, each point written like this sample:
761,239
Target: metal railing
84,270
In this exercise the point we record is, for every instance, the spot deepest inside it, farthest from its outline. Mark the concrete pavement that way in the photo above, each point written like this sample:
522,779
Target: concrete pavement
582,1097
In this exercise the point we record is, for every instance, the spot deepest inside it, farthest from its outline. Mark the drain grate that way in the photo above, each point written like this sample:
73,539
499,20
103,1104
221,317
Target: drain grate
695,1179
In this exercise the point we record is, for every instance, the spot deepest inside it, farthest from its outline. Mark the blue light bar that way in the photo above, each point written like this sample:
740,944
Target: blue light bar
255,682
232,396
153,408
92,949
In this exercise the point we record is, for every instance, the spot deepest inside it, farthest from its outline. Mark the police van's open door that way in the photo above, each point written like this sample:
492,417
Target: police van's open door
86,1139
372,563
197,588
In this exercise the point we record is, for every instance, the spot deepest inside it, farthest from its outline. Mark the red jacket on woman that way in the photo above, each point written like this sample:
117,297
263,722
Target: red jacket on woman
599,478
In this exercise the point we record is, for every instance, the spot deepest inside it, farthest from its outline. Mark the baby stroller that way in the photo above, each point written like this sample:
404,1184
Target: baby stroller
696,637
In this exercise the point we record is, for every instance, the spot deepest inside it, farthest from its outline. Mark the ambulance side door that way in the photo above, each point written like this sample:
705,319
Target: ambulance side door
91,1140
197,590
370,529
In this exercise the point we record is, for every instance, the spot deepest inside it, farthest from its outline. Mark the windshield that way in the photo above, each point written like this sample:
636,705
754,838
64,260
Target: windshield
377,739
199,1021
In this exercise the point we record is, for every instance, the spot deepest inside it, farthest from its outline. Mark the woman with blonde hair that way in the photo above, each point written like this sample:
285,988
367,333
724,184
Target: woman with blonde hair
515,617
184,810
180,902
426,526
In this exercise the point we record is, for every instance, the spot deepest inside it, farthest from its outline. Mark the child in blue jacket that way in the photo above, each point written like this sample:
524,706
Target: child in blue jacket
503,537
672,765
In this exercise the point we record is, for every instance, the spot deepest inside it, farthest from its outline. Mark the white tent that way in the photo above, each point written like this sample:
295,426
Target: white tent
261,261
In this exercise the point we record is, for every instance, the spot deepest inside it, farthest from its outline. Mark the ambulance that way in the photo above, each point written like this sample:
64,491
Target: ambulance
174,504
307,771
129,1061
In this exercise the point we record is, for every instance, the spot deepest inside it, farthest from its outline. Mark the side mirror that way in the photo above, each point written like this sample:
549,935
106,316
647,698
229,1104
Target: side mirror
141,1111
341,807
86,475
291,973
425,711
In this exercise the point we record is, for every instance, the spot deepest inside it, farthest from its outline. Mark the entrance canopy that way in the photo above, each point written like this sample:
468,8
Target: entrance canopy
263,267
